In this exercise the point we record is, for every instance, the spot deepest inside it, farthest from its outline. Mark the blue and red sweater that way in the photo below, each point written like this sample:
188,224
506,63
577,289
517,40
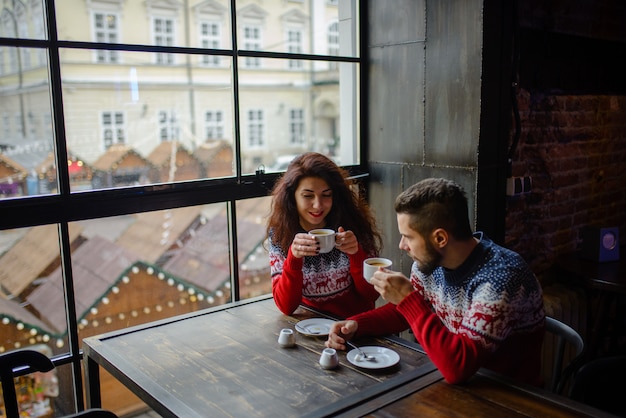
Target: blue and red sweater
486,313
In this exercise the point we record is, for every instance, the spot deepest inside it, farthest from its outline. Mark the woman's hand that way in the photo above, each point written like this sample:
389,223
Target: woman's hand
346,241
304,245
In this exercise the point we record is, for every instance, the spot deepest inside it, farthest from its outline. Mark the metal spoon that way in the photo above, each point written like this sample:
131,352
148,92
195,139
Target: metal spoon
308,330
363,355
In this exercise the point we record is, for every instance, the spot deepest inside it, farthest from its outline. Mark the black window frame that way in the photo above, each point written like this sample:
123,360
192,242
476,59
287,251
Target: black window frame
67,206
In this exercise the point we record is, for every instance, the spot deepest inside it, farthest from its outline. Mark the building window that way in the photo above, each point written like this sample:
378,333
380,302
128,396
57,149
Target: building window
113,128
39,31
296,126
255,128
252,42
214,124
210,36
6,125
163,29
294,46
168,126
19,125
32,125
106,30
333,43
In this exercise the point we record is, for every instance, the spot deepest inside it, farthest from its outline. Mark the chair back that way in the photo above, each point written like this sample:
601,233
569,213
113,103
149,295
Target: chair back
35,362
564,335
597,383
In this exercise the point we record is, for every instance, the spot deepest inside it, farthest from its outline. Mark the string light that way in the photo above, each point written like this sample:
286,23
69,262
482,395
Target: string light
188,294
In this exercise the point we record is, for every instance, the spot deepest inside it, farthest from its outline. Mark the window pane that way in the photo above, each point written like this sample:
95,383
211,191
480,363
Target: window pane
22,19
28,317
137,123
138,268
254,265
298,27
145,23
26,134
286,112
157,114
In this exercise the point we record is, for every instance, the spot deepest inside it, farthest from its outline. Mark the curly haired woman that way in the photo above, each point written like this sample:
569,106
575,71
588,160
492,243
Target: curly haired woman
315,193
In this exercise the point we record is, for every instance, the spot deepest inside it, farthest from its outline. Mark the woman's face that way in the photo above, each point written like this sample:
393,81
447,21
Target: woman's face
314,199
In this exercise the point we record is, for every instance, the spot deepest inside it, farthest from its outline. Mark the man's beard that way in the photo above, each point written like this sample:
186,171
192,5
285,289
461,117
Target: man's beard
431,261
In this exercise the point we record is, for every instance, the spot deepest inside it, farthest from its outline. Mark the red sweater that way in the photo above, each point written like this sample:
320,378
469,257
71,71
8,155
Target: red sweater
487,313
331,282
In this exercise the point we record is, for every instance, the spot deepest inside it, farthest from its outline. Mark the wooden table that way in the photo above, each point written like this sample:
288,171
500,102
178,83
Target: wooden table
484,395
227,362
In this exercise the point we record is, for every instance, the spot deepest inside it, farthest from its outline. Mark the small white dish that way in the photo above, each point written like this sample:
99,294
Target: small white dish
329,359
314,327
385,357
286,338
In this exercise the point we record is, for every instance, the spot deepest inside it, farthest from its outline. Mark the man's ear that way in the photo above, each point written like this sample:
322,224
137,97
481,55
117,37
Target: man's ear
439,238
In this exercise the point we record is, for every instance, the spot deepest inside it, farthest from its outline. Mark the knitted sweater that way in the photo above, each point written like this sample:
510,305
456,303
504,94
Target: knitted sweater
332,282
486,313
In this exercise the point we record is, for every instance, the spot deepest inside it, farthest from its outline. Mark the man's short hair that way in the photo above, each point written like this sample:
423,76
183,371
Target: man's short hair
436,203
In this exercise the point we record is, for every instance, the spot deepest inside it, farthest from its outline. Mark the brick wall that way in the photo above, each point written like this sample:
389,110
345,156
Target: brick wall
572,107
574,148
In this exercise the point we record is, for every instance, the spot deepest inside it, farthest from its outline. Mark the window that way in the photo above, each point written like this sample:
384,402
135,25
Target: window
210,36
333,43
164,36
252,41
131,155
106,31
113,128
19,125
255,128
168,125
32,125
294,42
296,126
6,125
214,124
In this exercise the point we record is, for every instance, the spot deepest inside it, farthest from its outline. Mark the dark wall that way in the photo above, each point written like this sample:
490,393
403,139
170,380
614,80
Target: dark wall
425,61
572,130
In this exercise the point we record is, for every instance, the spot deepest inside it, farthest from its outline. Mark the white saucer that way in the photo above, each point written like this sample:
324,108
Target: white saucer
385,357
315,327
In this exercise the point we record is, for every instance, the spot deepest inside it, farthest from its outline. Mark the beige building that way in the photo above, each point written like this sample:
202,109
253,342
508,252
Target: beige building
141,99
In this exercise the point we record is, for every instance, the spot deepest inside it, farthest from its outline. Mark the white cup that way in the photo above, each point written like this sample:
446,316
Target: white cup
286,338
329,358
326,238
371,266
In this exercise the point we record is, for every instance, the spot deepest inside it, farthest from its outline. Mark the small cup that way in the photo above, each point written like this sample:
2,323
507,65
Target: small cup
329,359
326,238
286,338
371,266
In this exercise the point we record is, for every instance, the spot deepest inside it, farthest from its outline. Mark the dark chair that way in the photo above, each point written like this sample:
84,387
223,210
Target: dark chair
597,383
561,372
36,362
